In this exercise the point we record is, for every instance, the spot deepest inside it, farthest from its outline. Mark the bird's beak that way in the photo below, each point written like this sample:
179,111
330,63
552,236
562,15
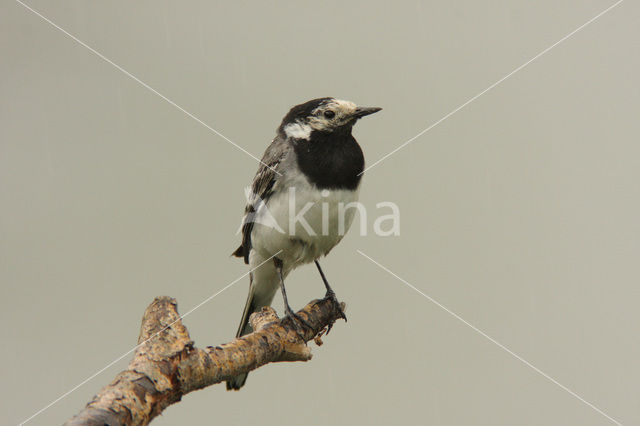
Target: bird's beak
363,111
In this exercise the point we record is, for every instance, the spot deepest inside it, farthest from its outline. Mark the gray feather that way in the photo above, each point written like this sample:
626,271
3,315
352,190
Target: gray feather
261,188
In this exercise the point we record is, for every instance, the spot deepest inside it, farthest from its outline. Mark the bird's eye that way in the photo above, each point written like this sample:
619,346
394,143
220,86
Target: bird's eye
329,114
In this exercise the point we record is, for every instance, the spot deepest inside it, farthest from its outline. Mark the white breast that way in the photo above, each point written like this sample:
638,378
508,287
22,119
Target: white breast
303,241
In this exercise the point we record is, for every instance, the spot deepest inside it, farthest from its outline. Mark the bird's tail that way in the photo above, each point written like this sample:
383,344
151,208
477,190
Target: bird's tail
245,328
255,301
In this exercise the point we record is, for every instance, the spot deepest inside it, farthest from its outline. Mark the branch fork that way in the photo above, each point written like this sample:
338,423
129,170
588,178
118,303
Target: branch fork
168,365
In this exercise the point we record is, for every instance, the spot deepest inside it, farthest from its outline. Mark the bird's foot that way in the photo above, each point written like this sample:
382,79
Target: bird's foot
330,295
298,323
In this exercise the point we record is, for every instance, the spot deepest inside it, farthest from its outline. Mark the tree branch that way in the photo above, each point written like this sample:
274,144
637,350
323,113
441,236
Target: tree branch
167,365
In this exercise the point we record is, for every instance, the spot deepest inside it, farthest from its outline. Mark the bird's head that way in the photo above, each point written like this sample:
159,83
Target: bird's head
322,115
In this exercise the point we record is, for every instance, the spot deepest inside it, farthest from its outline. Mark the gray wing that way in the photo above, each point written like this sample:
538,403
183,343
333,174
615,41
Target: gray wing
261,189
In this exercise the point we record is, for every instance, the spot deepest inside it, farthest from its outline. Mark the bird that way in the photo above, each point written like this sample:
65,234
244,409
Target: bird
308,174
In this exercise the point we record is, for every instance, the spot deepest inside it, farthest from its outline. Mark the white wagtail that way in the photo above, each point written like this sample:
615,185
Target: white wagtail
309,172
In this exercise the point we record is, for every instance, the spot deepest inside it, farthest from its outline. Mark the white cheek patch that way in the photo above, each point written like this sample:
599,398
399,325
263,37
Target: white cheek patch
298,131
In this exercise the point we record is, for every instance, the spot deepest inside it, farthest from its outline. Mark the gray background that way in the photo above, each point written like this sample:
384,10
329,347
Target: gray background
519,213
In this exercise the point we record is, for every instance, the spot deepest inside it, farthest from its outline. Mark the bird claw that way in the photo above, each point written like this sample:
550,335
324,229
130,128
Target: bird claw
330,295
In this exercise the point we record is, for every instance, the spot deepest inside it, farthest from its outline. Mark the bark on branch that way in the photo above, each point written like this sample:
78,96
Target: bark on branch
167,365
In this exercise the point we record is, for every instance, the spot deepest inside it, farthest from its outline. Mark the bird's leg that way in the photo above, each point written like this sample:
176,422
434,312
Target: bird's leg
330,294
295,318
